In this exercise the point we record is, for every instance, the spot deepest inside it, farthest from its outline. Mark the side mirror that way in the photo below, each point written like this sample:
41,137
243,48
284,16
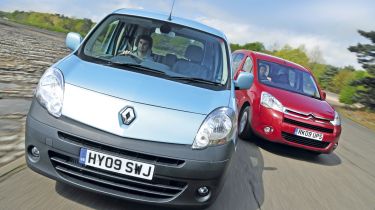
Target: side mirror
244,81
324,95
73,40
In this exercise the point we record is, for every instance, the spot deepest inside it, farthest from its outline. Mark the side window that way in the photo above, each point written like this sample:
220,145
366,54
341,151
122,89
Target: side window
101,45
237,58
248,65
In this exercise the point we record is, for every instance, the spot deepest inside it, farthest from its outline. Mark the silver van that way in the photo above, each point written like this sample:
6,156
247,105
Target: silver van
142,109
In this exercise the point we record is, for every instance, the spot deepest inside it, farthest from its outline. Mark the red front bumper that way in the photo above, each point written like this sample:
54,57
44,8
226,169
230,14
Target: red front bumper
283,126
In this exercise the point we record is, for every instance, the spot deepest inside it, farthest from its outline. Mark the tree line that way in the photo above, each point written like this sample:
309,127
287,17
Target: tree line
53,22
351,84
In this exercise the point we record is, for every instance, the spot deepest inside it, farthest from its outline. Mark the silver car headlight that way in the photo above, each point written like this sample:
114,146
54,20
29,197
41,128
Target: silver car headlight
50,91
337,120
216,129
270,101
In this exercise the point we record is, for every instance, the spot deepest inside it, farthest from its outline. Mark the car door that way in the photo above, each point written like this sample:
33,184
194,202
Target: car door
246,65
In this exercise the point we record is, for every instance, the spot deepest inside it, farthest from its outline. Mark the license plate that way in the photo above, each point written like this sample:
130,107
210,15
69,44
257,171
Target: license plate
308,134
119,165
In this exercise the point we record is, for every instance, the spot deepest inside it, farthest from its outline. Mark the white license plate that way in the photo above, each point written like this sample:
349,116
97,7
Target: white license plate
308,134
112,163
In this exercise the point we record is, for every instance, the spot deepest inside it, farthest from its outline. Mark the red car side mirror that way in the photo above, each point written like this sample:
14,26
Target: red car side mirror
324,95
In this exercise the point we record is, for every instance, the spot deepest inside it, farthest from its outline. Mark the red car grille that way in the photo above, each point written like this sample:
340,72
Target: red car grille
304,141
306,125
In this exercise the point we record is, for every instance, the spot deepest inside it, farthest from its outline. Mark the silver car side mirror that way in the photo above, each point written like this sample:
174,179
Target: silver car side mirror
244,81
73,40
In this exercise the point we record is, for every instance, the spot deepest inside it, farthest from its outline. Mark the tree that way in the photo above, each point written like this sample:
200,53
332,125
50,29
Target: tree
348,92
315,56
87,25
296,55
341,79
366,57
318,70
254,46
55,22
326,78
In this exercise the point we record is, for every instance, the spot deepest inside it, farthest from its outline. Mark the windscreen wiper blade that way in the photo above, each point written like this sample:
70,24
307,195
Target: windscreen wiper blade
316,97
197,80
137,66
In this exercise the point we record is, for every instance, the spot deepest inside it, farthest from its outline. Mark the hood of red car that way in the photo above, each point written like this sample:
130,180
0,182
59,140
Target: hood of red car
303,104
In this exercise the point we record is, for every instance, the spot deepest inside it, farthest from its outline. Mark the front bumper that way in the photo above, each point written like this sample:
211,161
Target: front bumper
283,126
179,170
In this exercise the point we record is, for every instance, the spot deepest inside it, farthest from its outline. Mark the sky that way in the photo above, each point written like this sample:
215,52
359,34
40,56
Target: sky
328,26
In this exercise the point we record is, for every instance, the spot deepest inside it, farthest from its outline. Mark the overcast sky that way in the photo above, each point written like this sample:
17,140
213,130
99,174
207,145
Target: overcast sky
328,25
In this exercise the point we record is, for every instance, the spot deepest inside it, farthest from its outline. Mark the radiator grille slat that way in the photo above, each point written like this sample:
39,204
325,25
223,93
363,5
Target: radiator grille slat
92,171
152,159
309,126
113,184
156,189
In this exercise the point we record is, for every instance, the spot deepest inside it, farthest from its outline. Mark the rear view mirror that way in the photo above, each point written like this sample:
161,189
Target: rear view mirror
244,81
73,40
160,31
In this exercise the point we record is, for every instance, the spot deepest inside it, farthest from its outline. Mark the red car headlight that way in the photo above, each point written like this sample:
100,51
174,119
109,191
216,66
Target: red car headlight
269,101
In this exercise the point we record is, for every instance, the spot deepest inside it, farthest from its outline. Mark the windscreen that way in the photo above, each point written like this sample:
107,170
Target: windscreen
287,78
174,50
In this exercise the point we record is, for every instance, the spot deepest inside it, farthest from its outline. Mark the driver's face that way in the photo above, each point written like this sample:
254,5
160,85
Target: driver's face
143,45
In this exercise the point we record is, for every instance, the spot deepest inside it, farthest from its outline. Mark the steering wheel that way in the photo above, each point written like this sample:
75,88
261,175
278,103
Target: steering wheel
135,57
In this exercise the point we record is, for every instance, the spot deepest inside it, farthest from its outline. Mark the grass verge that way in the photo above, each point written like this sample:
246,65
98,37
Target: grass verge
362,117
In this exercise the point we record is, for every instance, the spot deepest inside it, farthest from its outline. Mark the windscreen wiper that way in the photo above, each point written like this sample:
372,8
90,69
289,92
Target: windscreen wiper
311,96
196,80
137,66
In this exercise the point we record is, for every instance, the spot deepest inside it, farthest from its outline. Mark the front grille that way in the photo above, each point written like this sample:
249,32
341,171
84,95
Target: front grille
157,189
152,159
305,125
304,141
304,115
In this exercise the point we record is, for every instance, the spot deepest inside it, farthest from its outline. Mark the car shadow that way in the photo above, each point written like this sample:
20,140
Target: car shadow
296,153
242,188
97,200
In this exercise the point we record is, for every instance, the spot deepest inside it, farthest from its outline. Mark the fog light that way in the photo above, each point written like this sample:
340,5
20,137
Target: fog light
35,152
268,129
335,145
203,194
203,191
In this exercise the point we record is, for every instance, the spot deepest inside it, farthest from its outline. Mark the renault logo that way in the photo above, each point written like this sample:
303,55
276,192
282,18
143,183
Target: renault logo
127,115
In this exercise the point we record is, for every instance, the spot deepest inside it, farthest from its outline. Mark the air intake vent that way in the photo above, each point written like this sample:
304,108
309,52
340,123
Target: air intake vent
124,153
158,189
305,125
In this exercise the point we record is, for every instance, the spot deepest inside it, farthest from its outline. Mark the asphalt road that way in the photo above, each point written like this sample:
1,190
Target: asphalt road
262,175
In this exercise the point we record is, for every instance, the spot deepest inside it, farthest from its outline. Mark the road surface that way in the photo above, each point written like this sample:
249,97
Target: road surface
262,175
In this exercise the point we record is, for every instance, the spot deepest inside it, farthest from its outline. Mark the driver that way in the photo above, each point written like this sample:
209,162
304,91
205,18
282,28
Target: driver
143,51
263,73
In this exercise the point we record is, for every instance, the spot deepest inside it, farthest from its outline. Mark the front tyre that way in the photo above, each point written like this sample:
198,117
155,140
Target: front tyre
244,129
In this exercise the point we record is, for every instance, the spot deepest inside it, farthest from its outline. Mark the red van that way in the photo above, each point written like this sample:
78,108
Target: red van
284,104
